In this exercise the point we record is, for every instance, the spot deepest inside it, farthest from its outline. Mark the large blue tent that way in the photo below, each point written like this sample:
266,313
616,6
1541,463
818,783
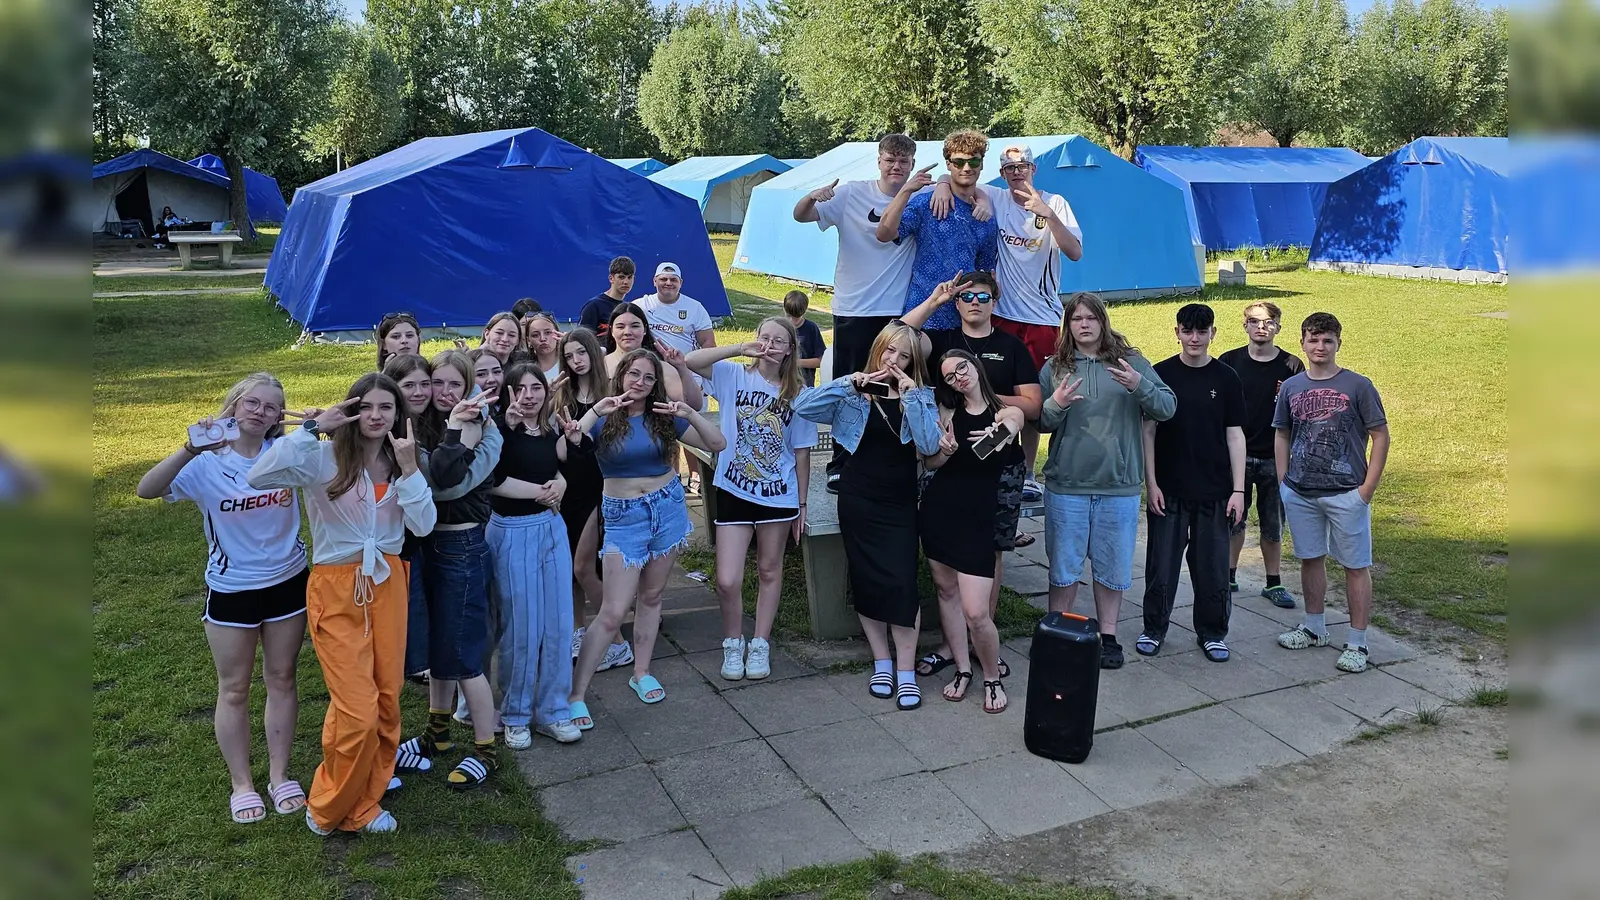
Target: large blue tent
1135,236
642,165
262,196
1435,208
136,186
1557,181
721,184
1251,196
455,229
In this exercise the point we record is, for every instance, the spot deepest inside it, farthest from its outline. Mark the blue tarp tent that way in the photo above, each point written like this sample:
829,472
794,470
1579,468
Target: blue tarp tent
795,162
262,196
455,229
1435,208
721,184
1251,196
137,185
1557,190
643,165
1136,239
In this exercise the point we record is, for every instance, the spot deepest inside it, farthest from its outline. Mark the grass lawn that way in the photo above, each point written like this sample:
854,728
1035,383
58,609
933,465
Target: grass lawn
174,282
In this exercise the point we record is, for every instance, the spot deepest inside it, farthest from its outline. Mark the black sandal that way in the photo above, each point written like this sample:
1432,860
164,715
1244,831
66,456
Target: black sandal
935,662
884,680
960,683
991,697
1000,662
907,691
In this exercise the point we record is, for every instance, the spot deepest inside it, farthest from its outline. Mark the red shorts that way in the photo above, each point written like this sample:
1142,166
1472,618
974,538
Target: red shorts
1039,339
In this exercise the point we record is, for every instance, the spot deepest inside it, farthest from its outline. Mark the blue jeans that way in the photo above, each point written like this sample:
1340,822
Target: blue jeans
533,591
643,528
416,615
456,572
1098,527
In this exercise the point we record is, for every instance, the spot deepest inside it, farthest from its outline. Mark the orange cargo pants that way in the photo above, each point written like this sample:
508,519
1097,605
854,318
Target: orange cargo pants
362,652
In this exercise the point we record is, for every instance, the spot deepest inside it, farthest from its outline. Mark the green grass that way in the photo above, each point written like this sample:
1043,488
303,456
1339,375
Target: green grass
921,878
1381,731
1430,716
174,282
1488,696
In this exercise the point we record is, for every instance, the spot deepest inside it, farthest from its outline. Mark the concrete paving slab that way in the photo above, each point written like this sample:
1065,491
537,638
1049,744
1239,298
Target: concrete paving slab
709,665
1125,770
1374,694
1179,638
1310,664
681,681
1238,677
1139,692
712,784
1442,677
792,704
1028,580
1020,794
1031,524
772,841
673,866
587,809
673,727
1300,719
604,748
1383,648
1219,745
943,734
908,815
697,631
1244,624
1289,618
815,755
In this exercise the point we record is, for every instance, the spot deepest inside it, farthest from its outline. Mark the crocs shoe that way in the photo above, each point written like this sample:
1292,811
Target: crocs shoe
1353,659
1301,638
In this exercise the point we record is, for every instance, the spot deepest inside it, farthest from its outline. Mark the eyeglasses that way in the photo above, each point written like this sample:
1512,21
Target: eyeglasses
1015,167
974,298
252,405
969,162
1260,323
963,369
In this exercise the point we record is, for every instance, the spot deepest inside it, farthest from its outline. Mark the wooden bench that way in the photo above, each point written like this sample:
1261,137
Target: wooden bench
186,241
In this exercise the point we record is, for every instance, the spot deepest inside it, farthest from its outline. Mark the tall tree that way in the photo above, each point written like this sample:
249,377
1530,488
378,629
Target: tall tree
42,71
362,115
1434,69
1295,86
114,119
239,77
423,39
1557,87
1147,72
710,89
873,66
602,49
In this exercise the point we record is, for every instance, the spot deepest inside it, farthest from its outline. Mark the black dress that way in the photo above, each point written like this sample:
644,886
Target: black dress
878,519
584,482
956,518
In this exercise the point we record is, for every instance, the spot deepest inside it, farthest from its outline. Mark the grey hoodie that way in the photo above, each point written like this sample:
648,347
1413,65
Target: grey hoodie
1096,445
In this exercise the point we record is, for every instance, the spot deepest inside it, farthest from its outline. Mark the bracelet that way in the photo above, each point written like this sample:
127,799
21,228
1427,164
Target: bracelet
1240,491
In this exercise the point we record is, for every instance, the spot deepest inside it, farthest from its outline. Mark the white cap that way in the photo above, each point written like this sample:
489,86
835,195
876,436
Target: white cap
668,268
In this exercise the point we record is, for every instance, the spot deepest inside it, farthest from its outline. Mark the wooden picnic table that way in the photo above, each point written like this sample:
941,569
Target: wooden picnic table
186,241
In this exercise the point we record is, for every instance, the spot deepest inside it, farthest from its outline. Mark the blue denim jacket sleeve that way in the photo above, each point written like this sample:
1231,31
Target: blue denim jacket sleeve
921,423
838,405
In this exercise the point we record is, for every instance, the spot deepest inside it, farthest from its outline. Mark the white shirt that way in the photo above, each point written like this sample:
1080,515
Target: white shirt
871,277
354,522
758,464
1029,266
676,324
252,536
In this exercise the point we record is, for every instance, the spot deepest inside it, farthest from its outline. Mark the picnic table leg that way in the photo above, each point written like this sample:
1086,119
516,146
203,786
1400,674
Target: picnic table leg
227,255
832,615
185,256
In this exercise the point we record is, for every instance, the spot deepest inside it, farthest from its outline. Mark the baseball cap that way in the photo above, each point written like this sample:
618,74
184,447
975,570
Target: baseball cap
1016,153
668,268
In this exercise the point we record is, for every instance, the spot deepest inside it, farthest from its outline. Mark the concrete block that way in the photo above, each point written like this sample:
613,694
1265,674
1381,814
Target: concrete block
772,841
1300,719
1230,271
673,727
588,809
1139,692
1020,794
792,704
1238,677
1375,694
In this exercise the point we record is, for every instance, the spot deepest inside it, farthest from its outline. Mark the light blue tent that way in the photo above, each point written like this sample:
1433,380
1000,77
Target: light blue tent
642,165
721,184
795,162
1135,233
1556,182
1251,196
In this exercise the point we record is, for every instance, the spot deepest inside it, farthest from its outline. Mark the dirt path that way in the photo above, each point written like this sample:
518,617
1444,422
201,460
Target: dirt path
1418,814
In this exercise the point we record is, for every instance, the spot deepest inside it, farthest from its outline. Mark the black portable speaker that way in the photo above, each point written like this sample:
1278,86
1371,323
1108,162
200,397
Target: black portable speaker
1063,686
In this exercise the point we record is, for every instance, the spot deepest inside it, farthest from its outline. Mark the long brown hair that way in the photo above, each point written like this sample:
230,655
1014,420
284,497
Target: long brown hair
949,398
496,319
594,383
789,383
431,424
1113,346
513,377
661,428
347,452
637,311
387,324
899,331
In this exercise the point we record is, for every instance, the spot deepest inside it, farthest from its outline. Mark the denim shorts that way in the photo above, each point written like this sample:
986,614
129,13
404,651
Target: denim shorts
1339,526
1098,527
644,528
456,572
1261,479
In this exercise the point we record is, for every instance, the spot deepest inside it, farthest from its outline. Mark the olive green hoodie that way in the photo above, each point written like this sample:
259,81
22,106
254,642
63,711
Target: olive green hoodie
1096,445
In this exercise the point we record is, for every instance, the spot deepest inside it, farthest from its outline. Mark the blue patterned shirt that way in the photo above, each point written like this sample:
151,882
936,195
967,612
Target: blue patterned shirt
957,243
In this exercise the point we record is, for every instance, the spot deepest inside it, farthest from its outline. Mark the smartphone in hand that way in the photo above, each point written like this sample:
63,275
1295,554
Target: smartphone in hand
873,388
991,442
220,431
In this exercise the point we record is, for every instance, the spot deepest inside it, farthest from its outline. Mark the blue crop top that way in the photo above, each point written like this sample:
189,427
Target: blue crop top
637,455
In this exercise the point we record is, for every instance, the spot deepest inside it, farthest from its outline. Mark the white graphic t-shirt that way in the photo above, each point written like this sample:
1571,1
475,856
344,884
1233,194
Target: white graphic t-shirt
1029,267
252,536
676,324
763,433
871,277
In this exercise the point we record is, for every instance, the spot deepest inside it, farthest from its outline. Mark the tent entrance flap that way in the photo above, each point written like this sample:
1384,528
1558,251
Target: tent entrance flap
133,202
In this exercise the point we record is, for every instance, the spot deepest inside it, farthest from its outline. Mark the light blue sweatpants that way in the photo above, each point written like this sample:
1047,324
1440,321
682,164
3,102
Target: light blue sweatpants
533,589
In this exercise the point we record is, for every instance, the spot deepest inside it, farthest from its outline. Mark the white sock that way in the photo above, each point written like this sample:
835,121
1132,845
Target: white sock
1317,623
1357,638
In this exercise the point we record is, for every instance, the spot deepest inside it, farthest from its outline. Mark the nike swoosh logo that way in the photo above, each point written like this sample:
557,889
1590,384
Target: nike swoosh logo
873,217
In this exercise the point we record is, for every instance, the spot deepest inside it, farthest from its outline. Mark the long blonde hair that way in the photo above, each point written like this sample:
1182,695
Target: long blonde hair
244,386
1112,347
789,384
431,424
899,331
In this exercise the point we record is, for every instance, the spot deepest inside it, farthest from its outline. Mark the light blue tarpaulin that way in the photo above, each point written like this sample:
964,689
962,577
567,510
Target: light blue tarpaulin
1135,235
795,162
1251,196
720,184
1430,208
455,229
262,196
642,165
1555,207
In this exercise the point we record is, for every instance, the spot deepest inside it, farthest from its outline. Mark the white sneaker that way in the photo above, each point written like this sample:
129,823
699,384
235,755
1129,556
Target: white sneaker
561,731
384,823
1032,491
733,658
616,655
758,659
462,714
518,737
577,643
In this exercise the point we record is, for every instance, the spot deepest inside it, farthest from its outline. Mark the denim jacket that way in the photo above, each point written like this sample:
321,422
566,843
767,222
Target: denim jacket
840,405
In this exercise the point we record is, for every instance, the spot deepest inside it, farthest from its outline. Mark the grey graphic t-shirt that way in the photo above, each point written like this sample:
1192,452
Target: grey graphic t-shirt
1328,422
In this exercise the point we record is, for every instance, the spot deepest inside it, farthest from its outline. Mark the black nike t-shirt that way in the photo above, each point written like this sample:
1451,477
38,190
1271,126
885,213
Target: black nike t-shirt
1261,382
1192,446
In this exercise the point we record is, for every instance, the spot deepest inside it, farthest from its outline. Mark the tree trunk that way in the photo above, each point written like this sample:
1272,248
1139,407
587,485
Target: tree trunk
1286,139
238,209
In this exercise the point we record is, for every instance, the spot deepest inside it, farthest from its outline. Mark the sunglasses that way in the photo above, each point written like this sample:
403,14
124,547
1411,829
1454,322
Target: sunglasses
970,297
396,316
969,162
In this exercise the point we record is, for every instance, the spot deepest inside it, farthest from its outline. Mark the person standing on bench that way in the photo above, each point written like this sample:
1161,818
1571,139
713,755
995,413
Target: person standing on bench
885,416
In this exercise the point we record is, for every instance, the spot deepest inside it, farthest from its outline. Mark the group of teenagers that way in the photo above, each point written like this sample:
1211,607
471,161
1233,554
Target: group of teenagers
470,511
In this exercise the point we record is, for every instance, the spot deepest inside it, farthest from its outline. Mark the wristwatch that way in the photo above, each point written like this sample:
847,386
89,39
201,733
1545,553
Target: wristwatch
309,426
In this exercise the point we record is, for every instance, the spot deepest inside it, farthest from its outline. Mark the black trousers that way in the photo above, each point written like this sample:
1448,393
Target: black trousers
852,342
1196,530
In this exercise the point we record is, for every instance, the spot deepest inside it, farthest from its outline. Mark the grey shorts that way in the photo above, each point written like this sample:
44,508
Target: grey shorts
1009,509
1261,479
1339,526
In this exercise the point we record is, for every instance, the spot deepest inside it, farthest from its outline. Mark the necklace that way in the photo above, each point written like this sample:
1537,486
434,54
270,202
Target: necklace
978,351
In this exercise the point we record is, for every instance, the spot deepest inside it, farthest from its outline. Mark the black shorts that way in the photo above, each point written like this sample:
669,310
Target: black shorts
732,510
249,609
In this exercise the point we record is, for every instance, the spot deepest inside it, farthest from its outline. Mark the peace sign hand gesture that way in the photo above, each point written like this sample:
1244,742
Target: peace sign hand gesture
948,445
947,290
605,406
1066,392
1033,202
405,450
569,427
825,193
332,417
675,408
902,380
1125,375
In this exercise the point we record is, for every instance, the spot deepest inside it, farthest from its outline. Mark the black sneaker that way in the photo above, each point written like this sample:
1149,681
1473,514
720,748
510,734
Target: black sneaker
1110,652
1233,587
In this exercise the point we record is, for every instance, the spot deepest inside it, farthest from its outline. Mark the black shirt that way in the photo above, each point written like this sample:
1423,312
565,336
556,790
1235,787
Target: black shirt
448,464
812,346
1261,381
1006,361
1192,446
596,316
526,457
